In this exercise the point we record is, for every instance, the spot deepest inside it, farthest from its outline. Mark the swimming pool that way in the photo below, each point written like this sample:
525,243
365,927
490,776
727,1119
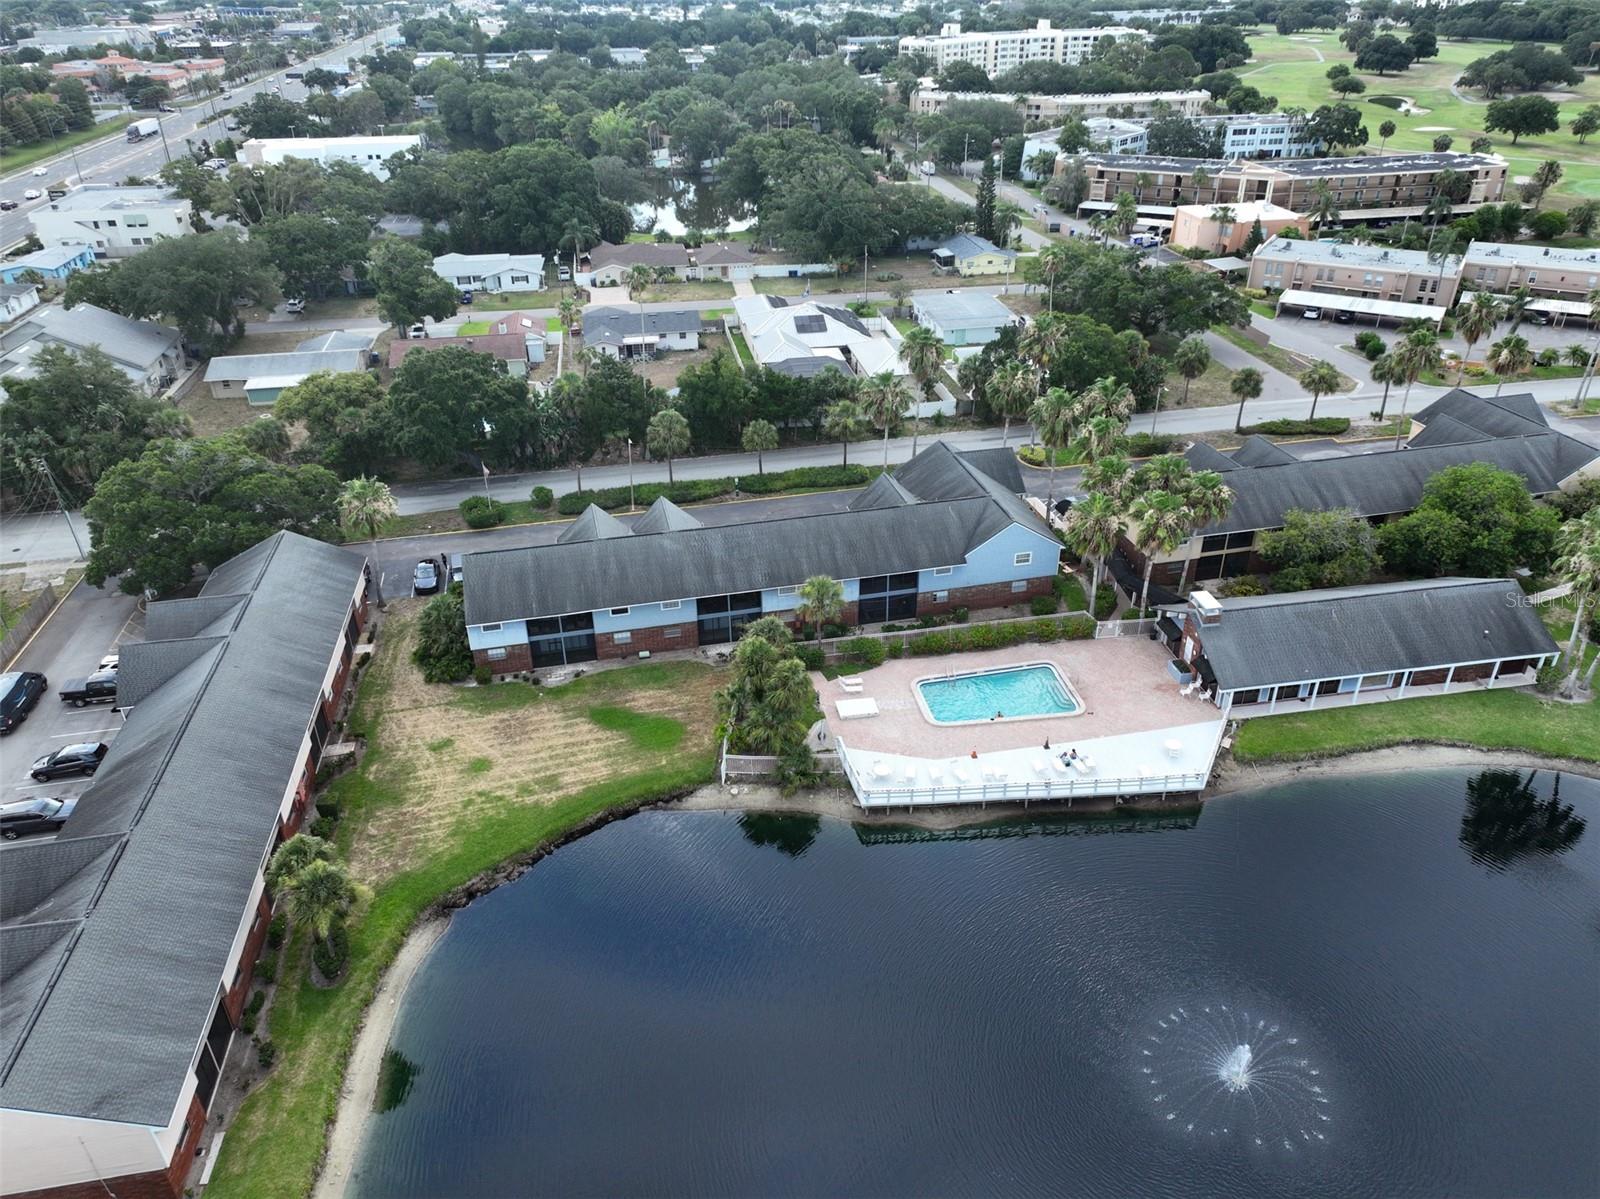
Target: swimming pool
1005,693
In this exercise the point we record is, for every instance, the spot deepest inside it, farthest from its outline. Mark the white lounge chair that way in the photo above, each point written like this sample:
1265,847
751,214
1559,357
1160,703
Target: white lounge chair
853,687
910,773
1041,768
1086,760
1080,765
1059,766
961,773
936,773
856,709
849,681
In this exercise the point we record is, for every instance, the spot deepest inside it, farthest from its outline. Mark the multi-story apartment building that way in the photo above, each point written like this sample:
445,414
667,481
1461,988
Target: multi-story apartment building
369,153
1364,188
1262,135
1544,270
116,222
996,53
1376,272
1055,109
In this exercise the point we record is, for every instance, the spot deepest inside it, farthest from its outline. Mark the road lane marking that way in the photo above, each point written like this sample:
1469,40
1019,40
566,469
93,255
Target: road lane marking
116,728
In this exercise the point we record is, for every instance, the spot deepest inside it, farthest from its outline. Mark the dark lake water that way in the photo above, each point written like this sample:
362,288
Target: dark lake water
1367,986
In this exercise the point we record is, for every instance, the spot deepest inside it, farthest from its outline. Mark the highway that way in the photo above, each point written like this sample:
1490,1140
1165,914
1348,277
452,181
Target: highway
115,158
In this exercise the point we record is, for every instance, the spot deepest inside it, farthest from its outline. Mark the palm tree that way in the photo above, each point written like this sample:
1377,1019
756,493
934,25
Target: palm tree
1098,435
1386,370
1516,306
758,437
320,894
821,601
884,131
1385,132
1324,206
886,401
293,856
1110,475
1107,397
667,436
1100,226
923,353
1052,415
638,278
1208,499
1416,355
1192,359
1246,384
1511,355
579,235
1011,389
845,421
365,504
1125,215
1050,263
568,312
1163,522
1475,320
1165,472
1578,563
1042,343
1319,379
1198,178
1095,525
1223,216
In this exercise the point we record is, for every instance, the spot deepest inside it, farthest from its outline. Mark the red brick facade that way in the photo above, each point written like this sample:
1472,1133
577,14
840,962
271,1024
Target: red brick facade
657,640
987,595
518,658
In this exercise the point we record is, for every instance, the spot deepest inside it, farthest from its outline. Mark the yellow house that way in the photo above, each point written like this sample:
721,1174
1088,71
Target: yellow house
968,254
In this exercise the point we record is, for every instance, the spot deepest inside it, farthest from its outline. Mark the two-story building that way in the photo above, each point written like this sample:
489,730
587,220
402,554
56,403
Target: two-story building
1375,272
946,531
128,941
371,154
114,222
1547,271
150,355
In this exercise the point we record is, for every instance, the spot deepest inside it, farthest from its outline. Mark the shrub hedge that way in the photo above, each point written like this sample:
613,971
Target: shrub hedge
481,512
1323,426
999,636
688,491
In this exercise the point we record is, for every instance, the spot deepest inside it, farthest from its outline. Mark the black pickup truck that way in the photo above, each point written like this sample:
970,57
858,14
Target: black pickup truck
97,688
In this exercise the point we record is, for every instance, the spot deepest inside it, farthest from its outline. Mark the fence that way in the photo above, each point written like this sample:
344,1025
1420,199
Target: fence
1124,628
832,646
746,767
41,607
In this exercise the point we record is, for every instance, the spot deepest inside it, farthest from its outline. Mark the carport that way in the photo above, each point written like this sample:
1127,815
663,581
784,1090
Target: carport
1378,310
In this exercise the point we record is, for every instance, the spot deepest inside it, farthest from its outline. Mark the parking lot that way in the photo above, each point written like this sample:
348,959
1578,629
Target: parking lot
88,625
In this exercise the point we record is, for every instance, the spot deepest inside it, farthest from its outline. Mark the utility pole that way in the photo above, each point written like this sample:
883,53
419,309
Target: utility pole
863,272
43,468
161,129
630,474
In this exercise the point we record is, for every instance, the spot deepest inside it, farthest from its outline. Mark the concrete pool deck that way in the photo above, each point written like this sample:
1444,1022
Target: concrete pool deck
1142,735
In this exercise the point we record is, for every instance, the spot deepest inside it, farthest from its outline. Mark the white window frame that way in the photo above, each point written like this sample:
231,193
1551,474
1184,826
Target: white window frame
624,637
488,628
1022,558
495,654
671,605
788,591
943,570
1018,586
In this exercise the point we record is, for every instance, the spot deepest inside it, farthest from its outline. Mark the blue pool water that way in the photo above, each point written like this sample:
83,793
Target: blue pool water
1026,691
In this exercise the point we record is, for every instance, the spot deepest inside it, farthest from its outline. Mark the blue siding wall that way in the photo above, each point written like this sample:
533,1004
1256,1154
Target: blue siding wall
995,561
644,616
512,632
771,601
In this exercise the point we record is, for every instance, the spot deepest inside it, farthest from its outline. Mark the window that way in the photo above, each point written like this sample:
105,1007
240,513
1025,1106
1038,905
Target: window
495,655
1019,586
672,631
489,628
788,591
1025,558
620,611
622,638
942,570
671,605
940,597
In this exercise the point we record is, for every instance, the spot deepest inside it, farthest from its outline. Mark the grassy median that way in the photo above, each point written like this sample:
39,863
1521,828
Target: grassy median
1509,720
454,782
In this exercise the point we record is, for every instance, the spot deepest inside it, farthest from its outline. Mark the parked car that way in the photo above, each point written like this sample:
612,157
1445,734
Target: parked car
227,95
19,692
165,108
564,274
100,687
1311,314
1344,316
417,332
464,298
110,662
425,578
34,816
83,758
32,193
7,205
296,305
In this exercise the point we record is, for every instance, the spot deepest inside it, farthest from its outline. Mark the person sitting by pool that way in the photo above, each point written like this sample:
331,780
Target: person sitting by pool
1070,756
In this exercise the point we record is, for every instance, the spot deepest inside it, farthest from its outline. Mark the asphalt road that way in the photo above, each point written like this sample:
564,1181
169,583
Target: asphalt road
86,627
114,159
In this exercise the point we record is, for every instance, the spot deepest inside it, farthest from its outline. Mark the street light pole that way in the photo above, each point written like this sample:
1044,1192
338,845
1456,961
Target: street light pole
630,474
165,149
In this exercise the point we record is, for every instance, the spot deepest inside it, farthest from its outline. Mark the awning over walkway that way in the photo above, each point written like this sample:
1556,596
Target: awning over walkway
1226,264
1361,305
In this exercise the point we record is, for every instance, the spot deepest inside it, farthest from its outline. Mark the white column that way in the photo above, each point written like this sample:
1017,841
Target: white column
1356,694
1405,677
1448,678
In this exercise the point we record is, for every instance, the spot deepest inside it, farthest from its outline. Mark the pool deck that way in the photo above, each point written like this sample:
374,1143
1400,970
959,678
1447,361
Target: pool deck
1141,734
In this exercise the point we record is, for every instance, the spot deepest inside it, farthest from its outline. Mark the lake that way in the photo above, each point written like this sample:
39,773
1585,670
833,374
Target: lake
1353,986
684,204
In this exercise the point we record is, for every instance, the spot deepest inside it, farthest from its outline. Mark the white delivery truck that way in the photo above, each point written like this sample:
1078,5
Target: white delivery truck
139,130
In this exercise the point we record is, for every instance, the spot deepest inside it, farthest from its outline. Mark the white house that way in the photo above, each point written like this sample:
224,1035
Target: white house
491,272
368,153
16,299
116,222
963,317
629,332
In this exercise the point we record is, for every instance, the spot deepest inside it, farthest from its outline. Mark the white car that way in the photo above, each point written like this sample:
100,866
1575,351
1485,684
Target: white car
32,193
296,305
1311,314
39,171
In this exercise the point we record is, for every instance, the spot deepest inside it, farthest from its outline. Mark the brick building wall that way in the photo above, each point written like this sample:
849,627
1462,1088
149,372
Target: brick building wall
988,595
518,658
247,959
657,640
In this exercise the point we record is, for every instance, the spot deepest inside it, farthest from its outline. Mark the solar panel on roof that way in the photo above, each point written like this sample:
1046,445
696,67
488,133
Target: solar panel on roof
810,324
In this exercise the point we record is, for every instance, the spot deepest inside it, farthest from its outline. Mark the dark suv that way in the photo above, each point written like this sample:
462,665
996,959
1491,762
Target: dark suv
70,759
34,816
19,691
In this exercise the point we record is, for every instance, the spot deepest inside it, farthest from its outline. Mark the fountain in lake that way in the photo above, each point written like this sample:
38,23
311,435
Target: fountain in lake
1220,1071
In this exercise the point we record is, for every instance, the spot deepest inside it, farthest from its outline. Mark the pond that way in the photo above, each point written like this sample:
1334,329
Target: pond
684,204
1353,985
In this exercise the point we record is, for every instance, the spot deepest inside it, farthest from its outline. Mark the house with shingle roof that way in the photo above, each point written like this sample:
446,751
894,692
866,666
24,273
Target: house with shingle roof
631,333
608,264
944,533
969,254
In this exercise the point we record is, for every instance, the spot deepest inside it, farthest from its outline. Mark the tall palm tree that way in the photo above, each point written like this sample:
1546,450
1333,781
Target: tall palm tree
1386,370
1162,521
365,504
1475,320
1052,415
821,600
1594,357
1208,499
1416,355
1246,384
1511,355
294,855
1050,264
1324,205
1042,342
1125,215
1192,359
1165,472
1578,563
578,235
1198,178
1101,226
568,312
1107,397
638,278
886,400
846,421
1011,389
923,353
1222,216
667,436
1110,474
1095,525
1098,435
1319,379
1516,306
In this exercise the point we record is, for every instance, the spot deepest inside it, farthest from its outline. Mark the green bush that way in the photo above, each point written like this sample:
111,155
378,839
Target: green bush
1370,345
1033,455
1000,636
321,827
895,651
482,675
266,969
811,655
1243,585
257,1001
866,651
266,1054
1044,605
689,491
959,615
1323,426
277,930
331,954
481,512
1148,445
542,498
1105,601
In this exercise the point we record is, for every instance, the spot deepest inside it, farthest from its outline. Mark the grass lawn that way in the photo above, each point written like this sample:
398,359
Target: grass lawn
1287,361
1287,67
16,160
1515,720
1209,390
742,348
473,328
693,289
503,300
453,783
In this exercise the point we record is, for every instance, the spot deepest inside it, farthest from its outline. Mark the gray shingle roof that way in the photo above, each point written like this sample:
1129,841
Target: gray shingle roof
665,517
999,465
188,798
1445,430
647,253
595,524
1203,456
882,492
969,245
961,508
806,368
138,343
1258,451
614,324
1342,632
1498,416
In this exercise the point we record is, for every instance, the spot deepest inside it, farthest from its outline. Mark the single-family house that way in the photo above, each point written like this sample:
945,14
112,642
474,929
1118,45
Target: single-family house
16,299
961,317
942,534
608,264
514,339
801,337
491,272
150,355
630,333
52,262
261,378
1264,654
968,254
724,260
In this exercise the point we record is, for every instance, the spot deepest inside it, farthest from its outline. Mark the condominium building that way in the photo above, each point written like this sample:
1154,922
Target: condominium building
1364,188
116,222
996,53
1502,267
1262,135
369,153
1376,272
1054,109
